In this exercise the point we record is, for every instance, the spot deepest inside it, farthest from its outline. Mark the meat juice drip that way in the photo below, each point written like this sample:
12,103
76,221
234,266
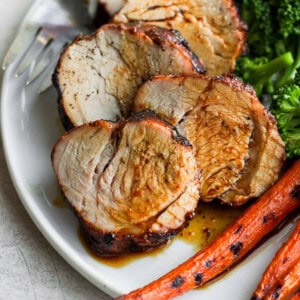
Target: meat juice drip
118,261
211,219
209,222
60,126
58,201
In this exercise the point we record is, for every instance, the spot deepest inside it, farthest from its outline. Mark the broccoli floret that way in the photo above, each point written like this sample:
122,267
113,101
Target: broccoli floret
291,72
274,43
261,72
289,17
260,28
286,109
273,26
297,78
273,62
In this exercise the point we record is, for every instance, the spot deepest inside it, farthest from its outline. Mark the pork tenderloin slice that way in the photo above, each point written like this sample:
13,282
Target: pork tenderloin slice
236,143
266,158
266,148
212,28
98,75
79,157
132,184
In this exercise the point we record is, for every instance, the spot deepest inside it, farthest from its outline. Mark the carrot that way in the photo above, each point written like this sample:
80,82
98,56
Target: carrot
280,265
287,285
236,241
296,296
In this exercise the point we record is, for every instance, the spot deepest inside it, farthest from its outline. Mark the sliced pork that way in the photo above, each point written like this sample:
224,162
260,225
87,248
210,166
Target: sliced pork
98,75
132,184
236,142
212,27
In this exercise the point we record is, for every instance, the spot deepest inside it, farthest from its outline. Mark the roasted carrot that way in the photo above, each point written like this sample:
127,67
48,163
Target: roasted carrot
287,285
236,241
283,261
296,296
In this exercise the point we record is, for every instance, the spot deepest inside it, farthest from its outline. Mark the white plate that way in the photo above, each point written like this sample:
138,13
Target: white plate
30,127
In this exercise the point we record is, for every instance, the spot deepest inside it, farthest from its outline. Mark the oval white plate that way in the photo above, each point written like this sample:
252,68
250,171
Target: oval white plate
30,127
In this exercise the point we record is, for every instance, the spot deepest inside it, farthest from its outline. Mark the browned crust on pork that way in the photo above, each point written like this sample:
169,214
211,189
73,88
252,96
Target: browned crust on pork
108,244
227,79
242,28
265,155
161,37
149,115
182,18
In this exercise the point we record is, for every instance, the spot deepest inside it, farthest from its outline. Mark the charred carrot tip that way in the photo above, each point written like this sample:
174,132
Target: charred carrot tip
281,265
234,243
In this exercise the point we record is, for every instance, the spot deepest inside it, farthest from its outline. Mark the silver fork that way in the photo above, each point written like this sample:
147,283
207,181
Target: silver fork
48,26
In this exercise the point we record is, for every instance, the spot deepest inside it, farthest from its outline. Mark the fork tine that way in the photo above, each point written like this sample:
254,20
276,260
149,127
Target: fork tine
40,42
48,72
47,81
50,54
20,44
25,35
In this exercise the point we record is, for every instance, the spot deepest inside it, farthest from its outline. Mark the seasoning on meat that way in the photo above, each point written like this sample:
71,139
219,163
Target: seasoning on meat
212,28
237,145
133,185
98,75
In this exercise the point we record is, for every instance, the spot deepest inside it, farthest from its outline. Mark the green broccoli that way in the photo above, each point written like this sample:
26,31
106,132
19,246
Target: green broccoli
272,65
289,74
260,27
289,17
274,42
286,109
263,73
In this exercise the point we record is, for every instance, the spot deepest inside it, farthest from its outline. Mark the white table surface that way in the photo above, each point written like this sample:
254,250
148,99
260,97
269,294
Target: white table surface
29,267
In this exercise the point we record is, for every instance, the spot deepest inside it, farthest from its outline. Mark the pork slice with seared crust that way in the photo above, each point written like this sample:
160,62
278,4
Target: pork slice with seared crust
236,142
98,75
133,184
212,27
